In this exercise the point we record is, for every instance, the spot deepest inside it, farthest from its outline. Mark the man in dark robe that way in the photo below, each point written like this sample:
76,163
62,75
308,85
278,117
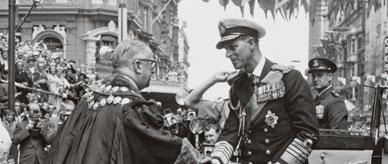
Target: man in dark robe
114,124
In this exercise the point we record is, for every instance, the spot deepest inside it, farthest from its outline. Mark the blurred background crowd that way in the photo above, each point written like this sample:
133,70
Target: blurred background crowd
47,89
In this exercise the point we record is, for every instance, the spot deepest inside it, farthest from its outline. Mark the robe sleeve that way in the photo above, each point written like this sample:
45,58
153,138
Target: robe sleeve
147,136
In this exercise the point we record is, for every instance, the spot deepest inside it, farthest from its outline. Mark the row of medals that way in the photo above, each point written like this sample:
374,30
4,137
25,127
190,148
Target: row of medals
271,91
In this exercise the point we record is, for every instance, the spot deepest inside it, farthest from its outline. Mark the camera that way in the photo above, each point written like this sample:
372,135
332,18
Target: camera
191,115
208,149
36,123
36,119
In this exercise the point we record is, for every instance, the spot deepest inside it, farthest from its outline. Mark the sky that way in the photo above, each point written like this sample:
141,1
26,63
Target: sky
284,40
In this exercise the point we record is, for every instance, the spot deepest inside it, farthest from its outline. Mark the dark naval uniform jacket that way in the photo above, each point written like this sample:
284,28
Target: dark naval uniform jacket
331,110
278,120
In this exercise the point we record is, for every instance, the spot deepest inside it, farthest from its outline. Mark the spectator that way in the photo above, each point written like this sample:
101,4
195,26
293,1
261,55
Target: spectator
211,134
21,77
3,62
32,136
53,83
5,143
9,121
40,76
66,105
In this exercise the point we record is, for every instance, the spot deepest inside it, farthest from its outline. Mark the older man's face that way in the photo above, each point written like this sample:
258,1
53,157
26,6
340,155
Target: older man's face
239,53
148,63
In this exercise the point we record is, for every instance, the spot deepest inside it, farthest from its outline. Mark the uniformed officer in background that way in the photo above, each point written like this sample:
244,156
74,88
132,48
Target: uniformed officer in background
272,118
330,107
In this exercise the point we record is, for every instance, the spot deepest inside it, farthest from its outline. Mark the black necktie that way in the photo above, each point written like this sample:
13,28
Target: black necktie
254,79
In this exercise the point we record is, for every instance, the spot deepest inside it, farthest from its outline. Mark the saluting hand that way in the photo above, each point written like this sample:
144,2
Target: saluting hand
221,76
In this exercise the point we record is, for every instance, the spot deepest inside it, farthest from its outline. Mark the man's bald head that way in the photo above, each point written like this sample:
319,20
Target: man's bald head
135,60
128,50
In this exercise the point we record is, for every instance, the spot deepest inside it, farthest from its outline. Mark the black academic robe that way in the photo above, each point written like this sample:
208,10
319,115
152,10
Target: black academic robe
129,131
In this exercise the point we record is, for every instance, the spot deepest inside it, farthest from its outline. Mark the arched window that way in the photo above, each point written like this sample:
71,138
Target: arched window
53,44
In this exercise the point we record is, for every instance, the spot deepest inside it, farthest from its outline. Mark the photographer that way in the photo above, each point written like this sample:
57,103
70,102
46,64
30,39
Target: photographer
32,135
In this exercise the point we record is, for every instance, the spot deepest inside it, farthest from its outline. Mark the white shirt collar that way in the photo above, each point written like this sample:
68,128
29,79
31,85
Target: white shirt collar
259,67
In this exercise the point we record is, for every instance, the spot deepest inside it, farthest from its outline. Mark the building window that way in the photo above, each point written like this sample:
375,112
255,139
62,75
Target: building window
112,2
97,1
53,44
353,45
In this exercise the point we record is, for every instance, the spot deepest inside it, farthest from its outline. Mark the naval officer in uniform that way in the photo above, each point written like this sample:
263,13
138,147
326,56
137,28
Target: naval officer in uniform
330,107
272,117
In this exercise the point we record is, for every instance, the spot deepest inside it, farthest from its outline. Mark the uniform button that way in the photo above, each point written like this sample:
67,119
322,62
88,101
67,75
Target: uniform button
249,141
266,141
249,153
249,131
265,130
268,152
250,162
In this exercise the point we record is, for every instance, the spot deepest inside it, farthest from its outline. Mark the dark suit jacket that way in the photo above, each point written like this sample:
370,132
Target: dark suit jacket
295,112
31,143
21,77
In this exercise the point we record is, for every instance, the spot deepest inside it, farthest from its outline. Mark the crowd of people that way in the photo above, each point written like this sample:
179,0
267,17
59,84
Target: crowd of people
47,89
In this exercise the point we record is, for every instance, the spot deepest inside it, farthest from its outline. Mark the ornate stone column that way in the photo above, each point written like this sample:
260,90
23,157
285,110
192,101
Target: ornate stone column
90,51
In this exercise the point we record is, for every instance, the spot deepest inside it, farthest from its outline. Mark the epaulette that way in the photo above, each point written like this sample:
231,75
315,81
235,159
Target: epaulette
335,94
282,68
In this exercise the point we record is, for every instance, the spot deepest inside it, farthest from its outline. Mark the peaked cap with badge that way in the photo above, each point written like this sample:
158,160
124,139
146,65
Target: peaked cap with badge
321,64
231,29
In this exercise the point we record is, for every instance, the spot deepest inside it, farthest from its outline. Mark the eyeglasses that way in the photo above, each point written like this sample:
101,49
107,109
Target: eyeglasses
153,62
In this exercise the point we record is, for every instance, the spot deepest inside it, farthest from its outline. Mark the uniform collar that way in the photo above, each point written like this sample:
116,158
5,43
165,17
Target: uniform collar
325,91
259,68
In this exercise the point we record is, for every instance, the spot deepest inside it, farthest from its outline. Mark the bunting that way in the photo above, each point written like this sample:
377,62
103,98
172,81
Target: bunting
289,8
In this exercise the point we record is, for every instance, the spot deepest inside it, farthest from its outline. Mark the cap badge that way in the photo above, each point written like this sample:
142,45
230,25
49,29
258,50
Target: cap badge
222,29
315,63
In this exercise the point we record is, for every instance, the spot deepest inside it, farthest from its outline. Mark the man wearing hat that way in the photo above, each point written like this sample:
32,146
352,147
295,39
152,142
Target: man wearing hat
330,107
21,77
272,118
